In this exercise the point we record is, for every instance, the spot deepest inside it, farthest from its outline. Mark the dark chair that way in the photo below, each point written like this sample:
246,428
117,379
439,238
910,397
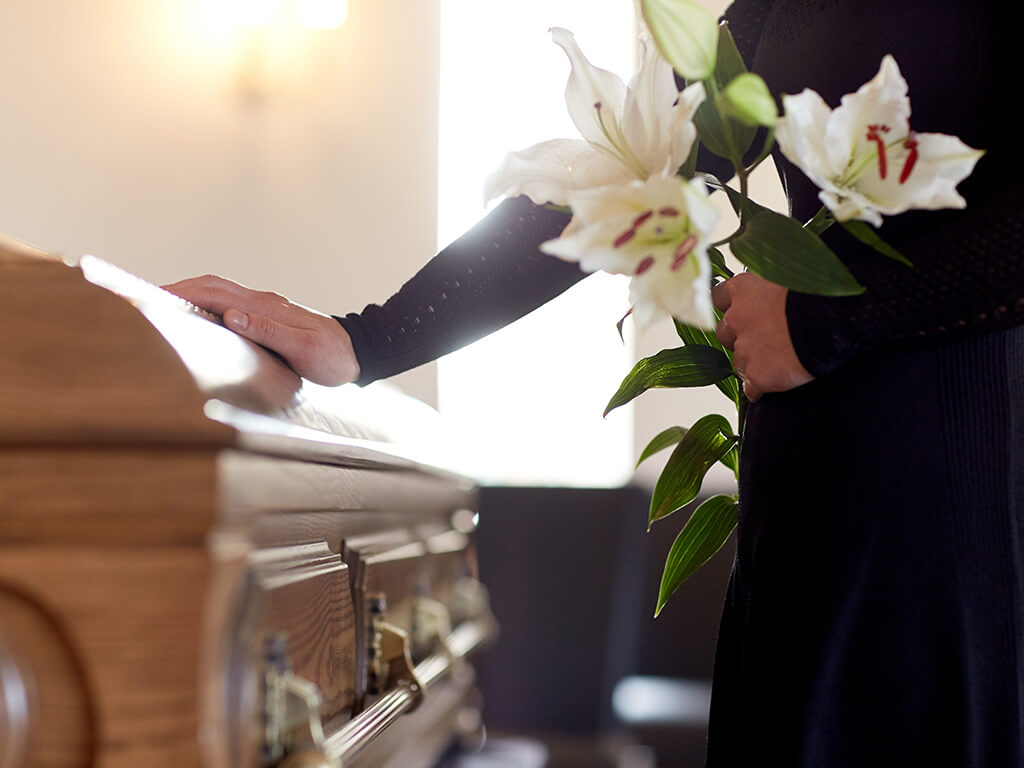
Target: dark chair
573,578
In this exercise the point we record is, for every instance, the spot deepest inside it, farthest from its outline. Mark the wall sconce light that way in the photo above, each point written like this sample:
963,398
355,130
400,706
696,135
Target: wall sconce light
321,14
273,30
312,14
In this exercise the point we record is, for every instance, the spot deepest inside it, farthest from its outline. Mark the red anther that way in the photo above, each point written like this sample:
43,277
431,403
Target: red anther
643,266
682,251
874,134
908,164
668,211
624,238
642,218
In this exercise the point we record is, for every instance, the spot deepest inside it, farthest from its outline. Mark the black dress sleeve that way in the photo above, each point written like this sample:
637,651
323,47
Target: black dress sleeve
488,277
968,273
968,278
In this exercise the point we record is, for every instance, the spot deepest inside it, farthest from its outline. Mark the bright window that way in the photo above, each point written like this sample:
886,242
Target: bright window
526,402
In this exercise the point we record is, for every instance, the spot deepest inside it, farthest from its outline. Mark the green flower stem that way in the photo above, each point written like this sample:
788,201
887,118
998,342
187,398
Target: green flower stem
821,221
727,240
766,150
711,86
744,185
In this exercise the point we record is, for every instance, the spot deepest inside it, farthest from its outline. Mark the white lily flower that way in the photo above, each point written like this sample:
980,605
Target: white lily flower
628,132
864,156
657,231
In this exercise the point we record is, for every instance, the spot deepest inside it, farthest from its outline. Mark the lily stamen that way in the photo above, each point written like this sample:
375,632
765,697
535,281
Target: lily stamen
620,147
624,238
875,134
908,165
684,249
644,265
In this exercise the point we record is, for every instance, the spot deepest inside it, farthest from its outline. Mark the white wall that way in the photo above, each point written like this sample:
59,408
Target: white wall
124,132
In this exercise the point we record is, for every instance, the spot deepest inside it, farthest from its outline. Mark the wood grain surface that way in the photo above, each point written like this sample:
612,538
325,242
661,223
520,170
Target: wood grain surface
50,676
107,496
149,548
304,593
84,366
133,619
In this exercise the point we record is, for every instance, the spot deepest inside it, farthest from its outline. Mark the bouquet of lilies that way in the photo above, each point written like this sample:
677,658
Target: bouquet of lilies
640,207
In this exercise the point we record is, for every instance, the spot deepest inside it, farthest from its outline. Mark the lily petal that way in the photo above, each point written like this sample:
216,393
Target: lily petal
684,294
656,231
880,101
801,134
863,155
549,171
647,112
590,93
942,162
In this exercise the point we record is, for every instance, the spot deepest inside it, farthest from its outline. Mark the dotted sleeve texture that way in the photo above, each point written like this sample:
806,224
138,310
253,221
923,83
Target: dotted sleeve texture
960,61
488,277
967,278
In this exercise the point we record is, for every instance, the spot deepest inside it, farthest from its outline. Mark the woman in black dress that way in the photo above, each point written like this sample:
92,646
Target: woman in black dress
875,614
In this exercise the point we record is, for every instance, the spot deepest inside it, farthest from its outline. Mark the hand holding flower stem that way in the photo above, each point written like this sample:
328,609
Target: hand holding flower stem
640,208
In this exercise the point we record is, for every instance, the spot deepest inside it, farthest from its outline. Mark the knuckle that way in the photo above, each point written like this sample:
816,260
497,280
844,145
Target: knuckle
211,281
264,327
732,319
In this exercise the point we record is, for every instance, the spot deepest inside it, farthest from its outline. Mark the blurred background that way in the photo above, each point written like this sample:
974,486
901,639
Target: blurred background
326,149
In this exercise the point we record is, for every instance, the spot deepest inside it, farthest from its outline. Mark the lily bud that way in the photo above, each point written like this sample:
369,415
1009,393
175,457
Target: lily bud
747,98
686,33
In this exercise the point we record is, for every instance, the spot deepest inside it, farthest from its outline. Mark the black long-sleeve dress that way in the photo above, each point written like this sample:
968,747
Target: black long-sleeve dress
875,614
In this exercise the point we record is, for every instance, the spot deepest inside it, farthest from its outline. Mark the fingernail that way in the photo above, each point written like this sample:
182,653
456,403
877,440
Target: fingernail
237,320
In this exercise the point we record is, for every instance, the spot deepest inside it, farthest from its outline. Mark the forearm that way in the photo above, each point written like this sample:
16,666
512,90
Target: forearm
489,277
968,278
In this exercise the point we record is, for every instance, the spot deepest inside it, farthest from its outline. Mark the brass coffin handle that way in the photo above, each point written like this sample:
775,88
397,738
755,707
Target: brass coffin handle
352,738
341,747
411,685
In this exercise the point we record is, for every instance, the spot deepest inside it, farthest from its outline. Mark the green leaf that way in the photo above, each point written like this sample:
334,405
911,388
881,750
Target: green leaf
732,459
686,33
707,441
729,63
777,248
748,99
708,528
687,169
661,441
697,336
867,235
739,205
721,134
679,367
690,335
718,265
622,321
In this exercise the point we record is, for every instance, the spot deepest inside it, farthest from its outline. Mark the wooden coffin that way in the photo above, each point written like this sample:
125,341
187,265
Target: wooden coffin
205,560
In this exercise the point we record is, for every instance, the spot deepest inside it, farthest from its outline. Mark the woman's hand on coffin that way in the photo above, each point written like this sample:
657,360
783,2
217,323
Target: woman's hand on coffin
315,345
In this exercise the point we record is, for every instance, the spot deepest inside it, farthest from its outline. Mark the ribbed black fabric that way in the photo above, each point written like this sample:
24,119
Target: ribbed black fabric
874,613
968,275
